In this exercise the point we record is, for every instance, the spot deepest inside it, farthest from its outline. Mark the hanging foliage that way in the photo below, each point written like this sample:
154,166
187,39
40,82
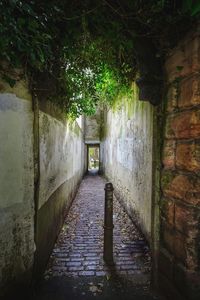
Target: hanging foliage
78,53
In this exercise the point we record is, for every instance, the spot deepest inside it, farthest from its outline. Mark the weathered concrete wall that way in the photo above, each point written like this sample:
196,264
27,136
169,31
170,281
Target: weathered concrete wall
62,164
179,263
40,169
127,156
93,128
16,184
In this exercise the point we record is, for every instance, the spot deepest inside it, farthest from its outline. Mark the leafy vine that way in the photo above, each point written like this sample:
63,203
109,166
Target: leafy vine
79,53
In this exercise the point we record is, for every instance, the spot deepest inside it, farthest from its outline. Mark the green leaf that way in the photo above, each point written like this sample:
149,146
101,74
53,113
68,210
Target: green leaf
195,9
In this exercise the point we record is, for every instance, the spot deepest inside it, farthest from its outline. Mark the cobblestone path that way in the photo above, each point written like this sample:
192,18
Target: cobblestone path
79,249
76,270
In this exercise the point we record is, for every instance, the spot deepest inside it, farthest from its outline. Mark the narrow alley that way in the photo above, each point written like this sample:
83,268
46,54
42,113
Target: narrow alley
96,92
76,269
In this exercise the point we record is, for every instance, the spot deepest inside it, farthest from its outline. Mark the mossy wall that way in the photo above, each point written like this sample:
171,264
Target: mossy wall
127,155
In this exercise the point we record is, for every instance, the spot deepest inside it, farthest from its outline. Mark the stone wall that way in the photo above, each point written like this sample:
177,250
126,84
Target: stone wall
16,185
179,262
126,151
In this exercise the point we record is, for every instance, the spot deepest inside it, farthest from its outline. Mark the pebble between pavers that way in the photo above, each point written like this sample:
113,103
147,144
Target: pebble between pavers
79,248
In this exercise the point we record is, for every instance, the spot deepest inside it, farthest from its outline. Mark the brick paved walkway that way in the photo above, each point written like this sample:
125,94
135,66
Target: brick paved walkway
76,270
79,249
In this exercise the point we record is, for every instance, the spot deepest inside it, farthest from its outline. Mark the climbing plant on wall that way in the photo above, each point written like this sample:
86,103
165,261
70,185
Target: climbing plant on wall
78,53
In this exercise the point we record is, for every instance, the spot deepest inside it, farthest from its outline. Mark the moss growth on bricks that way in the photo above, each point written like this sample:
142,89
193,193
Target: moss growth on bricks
166,179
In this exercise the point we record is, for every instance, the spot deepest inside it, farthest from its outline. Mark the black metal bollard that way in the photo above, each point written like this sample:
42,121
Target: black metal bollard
108,224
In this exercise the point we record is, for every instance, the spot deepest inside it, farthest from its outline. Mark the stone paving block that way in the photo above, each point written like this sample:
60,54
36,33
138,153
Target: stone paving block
90,254
90,263
76,259
75,255
100,273
80,268
86,273
91,268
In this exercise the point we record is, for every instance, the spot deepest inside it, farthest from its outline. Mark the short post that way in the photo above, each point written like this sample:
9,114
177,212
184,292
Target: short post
108,224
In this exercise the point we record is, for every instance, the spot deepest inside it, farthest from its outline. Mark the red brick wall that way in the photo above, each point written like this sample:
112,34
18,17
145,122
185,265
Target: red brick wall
179,259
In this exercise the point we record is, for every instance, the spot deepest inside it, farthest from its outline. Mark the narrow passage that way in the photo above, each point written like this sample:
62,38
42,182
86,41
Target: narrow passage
76,268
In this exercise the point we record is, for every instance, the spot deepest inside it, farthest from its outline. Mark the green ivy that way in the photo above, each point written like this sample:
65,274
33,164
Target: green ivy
84,50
